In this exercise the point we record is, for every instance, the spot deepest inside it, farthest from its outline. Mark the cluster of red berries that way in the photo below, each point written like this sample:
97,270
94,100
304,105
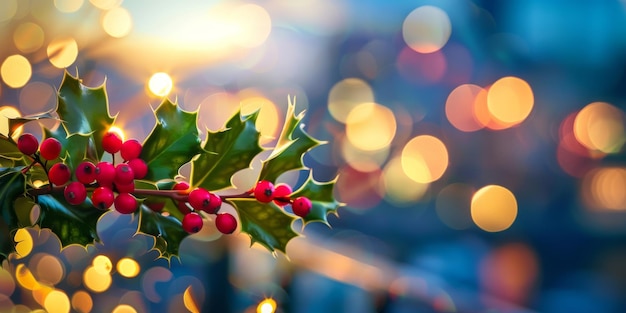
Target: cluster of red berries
114,184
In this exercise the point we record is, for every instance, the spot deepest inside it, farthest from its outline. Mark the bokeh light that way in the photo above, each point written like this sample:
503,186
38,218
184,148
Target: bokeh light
105,4
370,126
96,280
49,269
68,6
346,94
603,188
461,108
57,302
253,25
117,22
266,306
510,100
102,264
190,302
128,267
160,84
24,242
509,272
28,37
600,126
25,277
425,158
398,187
16,71
426,29
37,97
82,301
493,208
62,52
268,120
124,308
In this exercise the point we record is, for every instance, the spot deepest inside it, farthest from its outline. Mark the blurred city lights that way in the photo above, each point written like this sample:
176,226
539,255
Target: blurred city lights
461,108
124,308
493,208
603,188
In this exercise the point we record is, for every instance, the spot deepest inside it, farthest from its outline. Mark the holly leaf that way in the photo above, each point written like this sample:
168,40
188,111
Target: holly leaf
11,155
265,223
73,224
84,110
173,141
226,152
74,147
168,231
291,146
321,196
12,186
15,123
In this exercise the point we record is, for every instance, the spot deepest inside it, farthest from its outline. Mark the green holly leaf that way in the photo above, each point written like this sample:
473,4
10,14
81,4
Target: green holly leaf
173,141
74,147
11,155
85,111
73,224
167,231
12,186
321,196
291,146
265,223
15,123
226,152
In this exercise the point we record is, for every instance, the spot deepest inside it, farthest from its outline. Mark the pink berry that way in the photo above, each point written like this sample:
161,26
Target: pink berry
123,174
281,194
264,191
111,142
140,168
131,149
59,174
301,206
183,207
86,172
199,199
105,173
102,198
75,193
50,149
192,222
125,188
27,144
125,203
225,223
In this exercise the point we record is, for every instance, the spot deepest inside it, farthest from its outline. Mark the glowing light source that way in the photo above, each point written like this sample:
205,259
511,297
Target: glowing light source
398,187
118,131
160,84
266,306
124,308
105,4
16,71
25,277
189,301
426,29
370,126
347,94
253,25
68,6
424,158
57,302
62,52
96,280
128,267
603,188
24,242
510,100
493,208
600,126
460,108
28,37
117,22
102,264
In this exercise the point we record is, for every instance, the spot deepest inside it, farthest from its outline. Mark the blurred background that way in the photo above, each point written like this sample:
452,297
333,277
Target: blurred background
479,147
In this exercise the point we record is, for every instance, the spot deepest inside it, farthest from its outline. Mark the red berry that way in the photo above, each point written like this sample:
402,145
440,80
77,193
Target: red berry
105,173
182,186
131,149
199,199
140,168
50,149
281,194
183,207
125,188
111,142
86,172
225,223
301,206
59,174
123,174
75,193
215,203
27,144
125,203
154,205
102,198
264,191
192,222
